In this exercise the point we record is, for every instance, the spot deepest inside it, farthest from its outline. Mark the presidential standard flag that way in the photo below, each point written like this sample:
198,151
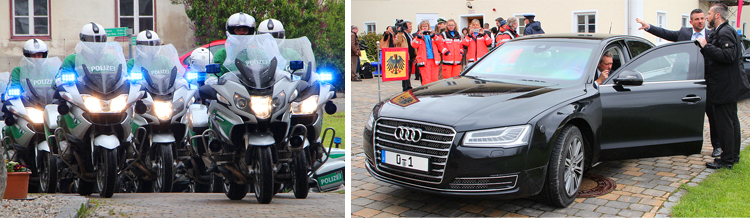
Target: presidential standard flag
394,64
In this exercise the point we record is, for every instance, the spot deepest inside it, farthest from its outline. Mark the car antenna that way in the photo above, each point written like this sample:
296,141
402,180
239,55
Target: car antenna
610,27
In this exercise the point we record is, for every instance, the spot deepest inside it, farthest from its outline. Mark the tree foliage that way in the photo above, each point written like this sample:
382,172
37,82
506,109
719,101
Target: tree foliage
322,21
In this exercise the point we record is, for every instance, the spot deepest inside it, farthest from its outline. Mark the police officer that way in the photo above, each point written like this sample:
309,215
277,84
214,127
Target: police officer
146,38
91,32
237,24
33,48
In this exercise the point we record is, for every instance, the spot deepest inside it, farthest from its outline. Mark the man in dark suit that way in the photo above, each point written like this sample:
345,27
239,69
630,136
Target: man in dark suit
698,21
406,84
725,82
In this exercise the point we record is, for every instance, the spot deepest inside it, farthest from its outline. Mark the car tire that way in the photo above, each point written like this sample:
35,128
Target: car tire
565,168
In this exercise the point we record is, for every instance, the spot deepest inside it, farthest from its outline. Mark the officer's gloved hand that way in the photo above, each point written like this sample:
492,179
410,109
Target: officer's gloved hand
211,81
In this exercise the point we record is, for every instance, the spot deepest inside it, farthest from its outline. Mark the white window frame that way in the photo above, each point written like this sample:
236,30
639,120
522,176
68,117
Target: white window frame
136,16
374,24
31,18
744,24
574,17
663,25
686,19
520,21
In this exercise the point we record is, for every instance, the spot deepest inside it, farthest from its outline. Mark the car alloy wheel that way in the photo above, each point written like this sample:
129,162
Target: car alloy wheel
565,168
574,166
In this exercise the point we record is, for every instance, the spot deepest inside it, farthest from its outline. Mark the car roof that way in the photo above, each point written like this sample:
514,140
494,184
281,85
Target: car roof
591,36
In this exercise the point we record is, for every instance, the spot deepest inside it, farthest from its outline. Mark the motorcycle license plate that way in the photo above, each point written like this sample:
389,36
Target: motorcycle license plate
405,160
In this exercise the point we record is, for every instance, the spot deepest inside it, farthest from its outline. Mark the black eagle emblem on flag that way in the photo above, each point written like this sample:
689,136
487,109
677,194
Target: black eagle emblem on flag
395,64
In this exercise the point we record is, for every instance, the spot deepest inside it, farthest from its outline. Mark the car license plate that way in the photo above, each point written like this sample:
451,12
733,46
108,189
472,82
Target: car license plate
405,160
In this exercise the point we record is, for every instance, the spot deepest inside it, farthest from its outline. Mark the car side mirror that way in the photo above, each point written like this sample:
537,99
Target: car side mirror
629,78
213,68
296,65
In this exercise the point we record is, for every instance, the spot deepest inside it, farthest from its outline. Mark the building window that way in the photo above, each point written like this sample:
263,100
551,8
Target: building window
685,20
586,23
661,21
370,27
136,14
521,25
30,18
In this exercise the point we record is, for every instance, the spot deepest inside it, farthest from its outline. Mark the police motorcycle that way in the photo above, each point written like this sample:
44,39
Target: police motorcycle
30,115
307,110
249,116
94,128
156,124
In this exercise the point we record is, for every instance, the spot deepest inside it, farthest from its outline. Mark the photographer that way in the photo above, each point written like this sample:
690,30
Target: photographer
429,47
475,44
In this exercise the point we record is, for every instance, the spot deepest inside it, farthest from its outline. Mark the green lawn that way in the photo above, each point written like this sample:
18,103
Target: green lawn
725,193
337,122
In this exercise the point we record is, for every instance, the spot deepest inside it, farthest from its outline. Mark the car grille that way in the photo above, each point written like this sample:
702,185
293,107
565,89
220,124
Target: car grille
484,183
435,143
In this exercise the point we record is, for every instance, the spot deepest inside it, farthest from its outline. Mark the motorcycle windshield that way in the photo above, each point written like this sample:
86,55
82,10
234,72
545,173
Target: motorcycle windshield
299,49
36,78
100,65
160,67
255,59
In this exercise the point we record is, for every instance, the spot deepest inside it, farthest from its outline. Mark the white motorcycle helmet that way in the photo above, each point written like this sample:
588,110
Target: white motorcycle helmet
34,46
200,58
240,20
93,32
147,37
273,27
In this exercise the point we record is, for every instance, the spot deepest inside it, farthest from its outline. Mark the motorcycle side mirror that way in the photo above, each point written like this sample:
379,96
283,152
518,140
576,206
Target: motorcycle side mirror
296,65
213,68
330,107
10,120
63,108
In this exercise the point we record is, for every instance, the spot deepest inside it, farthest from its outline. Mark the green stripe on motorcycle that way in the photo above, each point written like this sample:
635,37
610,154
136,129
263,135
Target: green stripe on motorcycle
70,121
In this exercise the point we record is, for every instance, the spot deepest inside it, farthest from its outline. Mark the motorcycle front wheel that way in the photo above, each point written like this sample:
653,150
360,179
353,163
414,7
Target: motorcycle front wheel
263,168
106,173
299,176
164,168
47,172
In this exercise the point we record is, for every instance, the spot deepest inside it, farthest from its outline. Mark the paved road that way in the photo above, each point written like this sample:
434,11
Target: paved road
646,187
218,205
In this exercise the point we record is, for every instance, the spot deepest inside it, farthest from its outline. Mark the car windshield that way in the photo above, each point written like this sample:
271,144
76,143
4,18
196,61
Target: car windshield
534,60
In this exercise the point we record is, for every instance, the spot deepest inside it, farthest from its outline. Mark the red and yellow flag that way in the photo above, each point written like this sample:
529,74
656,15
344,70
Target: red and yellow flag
394,62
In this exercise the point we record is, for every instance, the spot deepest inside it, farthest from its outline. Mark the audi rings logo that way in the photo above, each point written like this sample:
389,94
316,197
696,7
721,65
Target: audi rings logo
408,134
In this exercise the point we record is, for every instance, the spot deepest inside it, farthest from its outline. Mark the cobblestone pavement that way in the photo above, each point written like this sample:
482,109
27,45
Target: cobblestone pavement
646,187
217,205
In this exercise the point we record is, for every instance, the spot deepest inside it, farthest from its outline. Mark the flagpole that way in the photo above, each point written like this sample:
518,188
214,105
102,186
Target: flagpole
380,64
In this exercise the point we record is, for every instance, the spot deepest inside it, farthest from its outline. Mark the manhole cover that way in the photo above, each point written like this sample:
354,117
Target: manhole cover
595,185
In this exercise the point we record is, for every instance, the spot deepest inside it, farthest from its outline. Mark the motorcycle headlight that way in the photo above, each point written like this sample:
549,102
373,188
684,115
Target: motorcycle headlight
306,106
511,136
36,115
96,105
163,109
240,102
261,106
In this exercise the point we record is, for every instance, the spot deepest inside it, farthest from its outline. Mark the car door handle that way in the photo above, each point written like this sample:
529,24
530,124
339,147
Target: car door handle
691,98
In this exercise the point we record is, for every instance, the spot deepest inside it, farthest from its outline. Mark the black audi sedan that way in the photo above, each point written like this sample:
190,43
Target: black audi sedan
528,119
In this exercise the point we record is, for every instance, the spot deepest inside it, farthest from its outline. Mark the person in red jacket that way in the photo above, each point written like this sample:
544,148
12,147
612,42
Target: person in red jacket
507,31
453,50
429,47
475,44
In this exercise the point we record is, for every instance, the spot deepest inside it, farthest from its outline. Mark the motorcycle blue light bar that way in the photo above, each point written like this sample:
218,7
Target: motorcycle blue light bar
135,76
192,75
326,77
13,92
193,86
68,77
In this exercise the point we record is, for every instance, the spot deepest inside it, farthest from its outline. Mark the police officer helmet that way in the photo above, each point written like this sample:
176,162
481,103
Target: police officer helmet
93,32
33,46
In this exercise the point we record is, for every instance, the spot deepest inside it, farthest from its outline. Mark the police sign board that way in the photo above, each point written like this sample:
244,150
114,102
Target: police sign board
116,32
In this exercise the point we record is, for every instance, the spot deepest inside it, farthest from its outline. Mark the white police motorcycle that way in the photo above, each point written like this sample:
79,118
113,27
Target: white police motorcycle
248,126
30,115
157,122
94,132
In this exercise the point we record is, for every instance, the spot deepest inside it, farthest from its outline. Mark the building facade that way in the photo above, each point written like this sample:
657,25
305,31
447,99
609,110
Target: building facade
59,22
556,16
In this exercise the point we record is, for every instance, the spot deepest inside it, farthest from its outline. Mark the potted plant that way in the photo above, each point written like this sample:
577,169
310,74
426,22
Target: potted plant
17,186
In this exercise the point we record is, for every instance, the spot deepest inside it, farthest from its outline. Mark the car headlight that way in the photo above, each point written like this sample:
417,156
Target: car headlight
96,105
163,109
511,136
261,106
370,121
36,115
306,106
